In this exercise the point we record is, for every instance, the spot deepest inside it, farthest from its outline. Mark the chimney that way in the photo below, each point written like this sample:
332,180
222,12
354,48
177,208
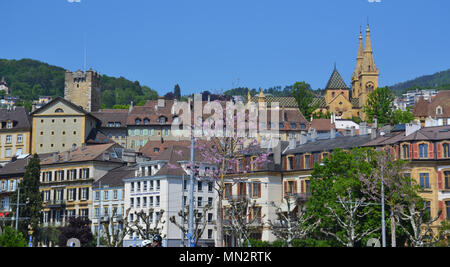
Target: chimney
292,143
67,156
131,107
161,102
333,133
363,128
373,133
303,139
352,131
412,128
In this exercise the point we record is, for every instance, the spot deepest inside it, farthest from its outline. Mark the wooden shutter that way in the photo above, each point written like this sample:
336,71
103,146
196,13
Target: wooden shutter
285,187
285,163
440,182
302,162
294,162
415,150
442,208
295,187
410,151
431,150
259,190
245,188
439,150
238,189
302,186
312,162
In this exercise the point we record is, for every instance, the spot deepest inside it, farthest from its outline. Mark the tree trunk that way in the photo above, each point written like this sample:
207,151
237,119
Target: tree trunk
219,223
393,233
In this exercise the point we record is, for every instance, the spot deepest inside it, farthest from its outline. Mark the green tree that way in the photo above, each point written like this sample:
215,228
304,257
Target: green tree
333,180
31,196
177,92
12,238
304,97
379,104
400,116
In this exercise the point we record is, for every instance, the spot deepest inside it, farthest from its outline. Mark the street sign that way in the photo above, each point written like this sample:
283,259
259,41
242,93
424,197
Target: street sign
73,242
373,242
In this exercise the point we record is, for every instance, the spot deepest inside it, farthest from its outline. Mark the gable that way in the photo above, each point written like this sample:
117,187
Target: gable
58,108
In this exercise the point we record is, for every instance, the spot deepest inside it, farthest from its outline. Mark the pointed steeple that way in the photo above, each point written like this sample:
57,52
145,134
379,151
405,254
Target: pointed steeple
360,56
335,81
368,62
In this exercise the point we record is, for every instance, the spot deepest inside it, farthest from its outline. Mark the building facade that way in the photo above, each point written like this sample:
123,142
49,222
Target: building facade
15,133
83,89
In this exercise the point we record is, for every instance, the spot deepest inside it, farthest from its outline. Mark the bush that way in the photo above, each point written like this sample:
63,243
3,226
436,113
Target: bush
12,238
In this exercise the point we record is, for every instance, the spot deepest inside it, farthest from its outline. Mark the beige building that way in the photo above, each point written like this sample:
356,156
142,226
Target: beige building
61,125
83,89
15,133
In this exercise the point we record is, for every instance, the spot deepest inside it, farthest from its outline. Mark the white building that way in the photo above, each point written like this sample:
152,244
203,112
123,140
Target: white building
162,184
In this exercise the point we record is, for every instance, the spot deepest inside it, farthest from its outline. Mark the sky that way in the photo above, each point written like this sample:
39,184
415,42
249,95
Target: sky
216,45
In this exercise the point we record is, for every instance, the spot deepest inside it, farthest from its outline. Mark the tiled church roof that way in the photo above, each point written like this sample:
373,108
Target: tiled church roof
336,81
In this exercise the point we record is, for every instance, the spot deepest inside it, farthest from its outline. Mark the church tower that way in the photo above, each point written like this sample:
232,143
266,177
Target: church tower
365,77
83,89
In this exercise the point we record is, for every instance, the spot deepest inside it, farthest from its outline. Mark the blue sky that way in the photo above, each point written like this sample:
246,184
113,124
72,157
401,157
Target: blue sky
220,44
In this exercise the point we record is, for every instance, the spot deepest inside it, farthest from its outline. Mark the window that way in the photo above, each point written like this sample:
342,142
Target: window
447,208
145,185
428,208
138,121
256,190
293,125
446,148
423,151
199,186
307,189
146,121
132,187
84,193
228,190
405,149
106,195
144,204
19,138
291,187
132,202
138,204
151,185
199,201
8,139
291,163
157,201
97,196
447,179
8,152
151,201
210,217
425,180
210,233
10,125
307,162
210,186
138,186
438,111
158,184
210,201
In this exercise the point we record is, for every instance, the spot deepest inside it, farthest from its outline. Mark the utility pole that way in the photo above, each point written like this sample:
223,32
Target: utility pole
17,208
191,194
183,205
100,215
383,223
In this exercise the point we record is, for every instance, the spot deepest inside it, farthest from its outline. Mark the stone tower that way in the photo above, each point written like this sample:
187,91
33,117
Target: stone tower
83,89
365,76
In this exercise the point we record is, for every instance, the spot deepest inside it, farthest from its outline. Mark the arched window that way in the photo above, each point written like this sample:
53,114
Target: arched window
369,88
405,149
59,110
439,110
446,148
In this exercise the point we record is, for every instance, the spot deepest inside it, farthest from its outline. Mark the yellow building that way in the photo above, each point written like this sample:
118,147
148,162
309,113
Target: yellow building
15,133
67,179
61,125
337,98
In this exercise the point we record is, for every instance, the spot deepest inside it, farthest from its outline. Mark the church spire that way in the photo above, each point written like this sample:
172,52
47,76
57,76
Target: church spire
360,56
368,62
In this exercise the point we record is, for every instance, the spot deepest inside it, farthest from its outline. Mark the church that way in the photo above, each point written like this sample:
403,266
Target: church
342,101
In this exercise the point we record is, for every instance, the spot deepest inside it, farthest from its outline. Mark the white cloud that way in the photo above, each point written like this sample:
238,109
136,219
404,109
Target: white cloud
74,1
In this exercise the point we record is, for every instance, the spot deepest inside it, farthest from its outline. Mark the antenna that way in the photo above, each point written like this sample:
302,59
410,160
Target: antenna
85,51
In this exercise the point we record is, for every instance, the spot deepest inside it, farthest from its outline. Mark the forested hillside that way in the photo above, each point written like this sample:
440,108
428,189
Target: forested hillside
439,80
29,79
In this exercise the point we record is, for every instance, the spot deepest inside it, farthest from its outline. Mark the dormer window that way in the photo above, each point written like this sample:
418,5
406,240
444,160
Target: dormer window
138,121
146,121
439,110
162,119
118,124
9,125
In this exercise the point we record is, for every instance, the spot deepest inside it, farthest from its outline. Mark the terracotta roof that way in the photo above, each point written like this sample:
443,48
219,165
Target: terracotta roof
428,133
322,124
19,117
67,102
175,154
424,108
89,153
344,142
149,148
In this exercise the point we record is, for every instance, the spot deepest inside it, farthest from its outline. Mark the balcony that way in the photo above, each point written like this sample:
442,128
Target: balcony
55,203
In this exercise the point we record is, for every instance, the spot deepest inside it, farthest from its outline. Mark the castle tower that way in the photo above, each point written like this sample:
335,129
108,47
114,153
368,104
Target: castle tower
83,89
